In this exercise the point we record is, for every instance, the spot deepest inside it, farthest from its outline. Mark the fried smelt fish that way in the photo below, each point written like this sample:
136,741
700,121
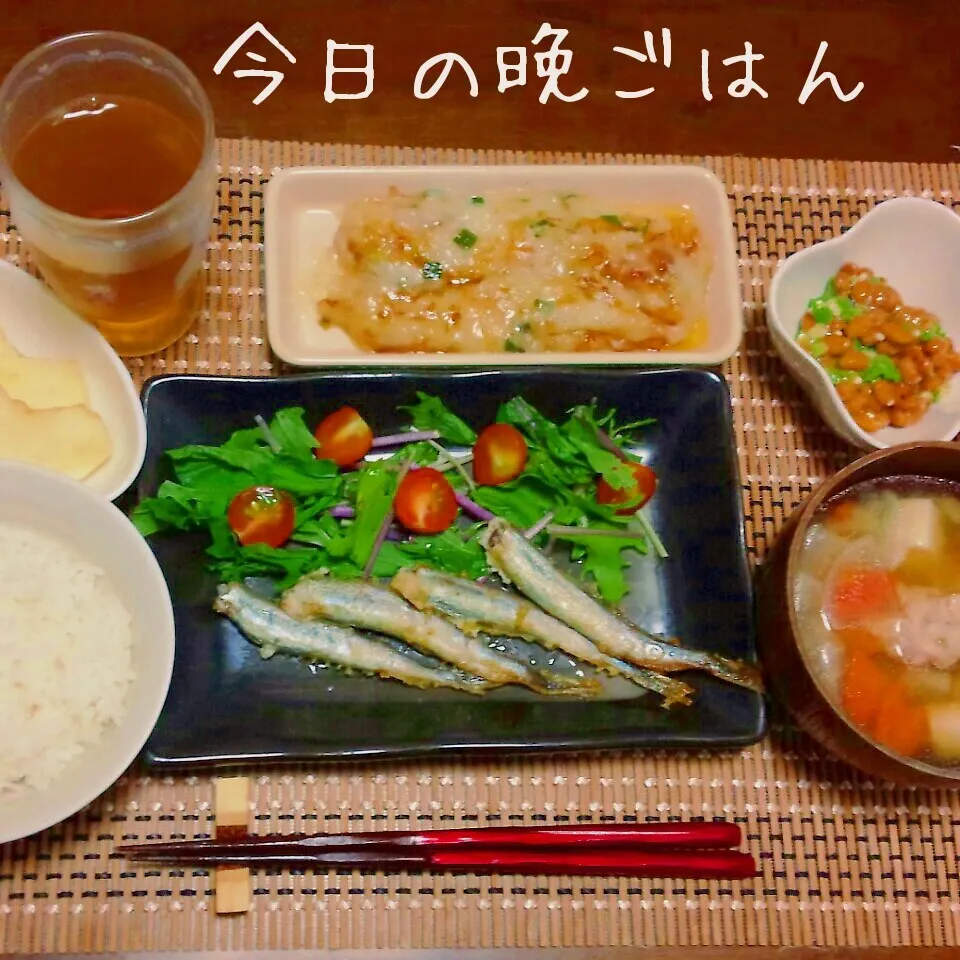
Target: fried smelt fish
519,562
474,608
373,607
266,625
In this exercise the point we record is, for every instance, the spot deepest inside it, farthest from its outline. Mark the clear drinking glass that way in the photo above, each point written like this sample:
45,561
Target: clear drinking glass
107,160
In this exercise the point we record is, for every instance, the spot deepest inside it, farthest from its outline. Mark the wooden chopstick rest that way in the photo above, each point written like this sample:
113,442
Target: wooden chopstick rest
231,815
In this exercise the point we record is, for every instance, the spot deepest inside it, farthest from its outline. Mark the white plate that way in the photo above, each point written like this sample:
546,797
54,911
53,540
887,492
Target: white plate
38,324
302,208
61,507
915,244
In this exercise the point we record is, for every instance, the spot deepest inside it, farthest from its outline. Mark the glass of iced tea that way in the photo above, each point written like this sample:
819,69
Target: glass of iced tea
107,160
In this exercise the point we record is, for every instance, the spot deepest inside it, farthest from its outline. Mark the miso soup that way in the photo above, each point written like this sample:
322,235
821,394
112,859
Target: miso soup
877,597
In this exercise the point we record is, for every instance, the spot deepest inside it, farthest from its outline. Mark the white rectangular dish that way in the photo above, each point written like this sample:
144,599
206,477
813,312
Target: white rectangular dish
303,206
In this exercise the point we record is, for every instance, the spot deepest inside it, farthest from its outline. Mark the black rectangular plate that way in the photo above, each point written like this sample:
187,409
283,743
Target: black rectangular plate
228,706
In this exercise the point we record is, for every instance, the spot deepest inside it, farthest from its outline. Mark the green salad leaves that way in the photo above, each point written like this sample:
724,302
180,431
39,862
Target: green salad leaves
341,515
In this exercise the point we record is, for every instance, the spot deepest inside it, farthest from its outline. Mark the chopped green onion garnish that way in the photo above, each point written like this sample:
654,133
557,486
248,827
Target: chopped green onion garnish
839,376
432,270
881,367
847,308
612,218
830,306
465,238
828,309
539,227
511,346
477,201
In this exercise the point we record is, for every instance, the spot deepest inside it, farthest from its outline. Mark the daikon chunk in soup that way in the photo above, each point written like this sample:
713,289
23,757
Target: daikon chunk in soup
877,597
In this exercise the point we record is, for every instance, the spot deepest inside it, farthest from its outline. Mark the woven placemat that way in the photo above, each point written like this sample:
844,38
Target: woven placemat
844,861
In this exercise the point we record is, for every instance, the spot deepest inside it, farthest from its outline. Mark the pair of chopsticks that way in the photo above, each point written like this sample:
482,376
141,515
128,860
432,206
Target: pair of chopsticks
692,850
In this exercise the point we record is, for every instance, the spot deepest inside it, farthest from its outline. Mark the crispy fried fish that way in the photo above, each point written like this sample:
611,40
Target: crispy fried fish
370,606
519,562
475,608
266,625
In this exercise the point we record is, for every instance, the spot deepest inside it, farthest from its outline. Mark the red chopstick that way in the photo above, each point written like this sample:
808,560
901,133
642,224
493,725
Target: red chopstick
696,849
681,864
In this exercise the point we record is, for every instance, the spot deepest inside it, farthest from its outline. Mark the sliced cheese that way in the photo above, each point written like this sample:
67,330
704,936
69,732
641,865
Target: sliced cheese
71,440
41,382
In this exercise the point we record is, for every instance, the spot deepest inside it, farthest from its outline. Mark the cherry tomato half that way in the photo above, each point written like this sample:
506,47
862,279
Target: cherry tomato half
425,501
262,515
636,494
343,437
499,454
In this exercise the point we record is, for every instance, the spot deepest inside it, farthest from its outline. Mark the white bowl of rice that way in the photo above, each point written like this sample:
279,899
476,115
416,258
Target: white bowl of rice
86,647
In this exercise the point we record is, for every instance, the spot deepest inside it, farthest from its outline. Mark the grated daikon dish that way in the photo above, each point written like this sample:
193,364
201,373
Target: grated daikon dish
517,271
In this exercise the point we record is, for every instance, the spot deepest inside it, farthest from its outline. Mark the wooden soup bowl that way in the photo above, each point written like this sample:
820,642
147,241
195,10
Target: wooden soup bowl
784,662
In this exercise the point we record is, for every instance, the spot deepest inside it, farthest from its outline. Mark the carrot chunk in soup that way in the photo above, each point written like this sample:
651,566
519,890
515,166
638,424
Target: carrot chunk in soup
901,725
842,519
865,685
856,639
862,593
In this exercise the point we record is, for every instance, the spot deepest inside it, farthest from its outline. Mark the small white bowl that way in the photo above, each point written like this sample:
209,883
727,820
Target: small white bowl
37,324
915,244
61,507
302,210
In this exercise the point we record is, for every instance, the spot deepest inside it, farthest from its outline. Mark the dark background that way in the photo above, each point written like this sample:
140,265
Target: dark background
901,50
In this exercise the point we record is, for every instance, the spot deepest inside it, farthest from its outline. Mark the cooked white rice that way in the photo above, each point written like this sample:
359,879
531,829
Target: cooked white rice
65,657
